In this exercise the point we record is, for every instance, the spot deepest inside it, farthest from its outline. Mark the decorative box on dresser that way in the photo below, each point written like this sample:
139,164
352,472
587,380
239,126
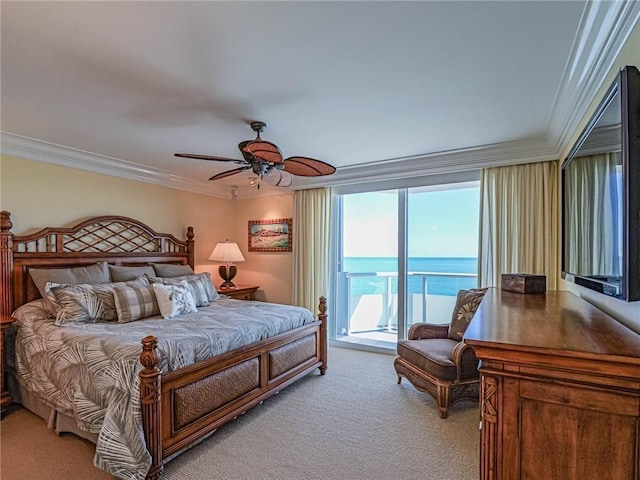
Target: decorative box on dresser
560,389
241,292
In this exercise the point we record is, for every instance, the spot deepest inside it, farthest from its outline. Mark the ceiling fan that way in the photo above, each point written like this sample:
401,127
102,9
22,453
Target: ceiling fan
265,160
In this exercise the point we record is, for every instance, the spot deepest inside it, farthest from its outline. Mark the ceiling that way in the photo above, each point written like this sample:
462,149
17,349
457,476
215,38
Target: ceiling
381,90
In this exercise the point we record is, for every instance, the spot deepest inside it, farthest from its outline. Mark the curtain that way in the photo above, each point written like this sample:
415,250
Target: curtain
519,222
592,227
311,246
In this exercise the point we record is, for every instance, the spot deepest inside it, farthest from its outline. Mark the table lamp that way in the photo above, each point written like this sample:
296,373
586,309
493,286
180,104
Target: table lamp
227,253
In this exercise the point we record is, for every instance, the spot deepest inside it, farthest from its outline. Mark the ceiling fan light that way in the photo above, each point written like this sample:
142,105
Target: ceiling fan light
278,178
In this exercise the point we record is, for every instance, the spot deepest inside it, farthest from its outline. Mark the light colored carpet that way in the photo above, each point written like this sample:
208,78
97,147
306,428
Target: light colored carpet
354,423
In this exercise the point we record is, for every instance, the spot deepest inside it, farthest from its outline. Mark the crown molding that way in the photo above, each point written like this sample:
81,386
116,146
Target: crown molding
450,161
38,150
393,169
603,31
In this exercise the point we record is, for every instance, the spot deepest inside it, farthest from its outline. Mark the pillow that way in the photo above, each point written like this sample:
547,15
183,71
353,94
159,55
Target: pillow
467,303
174,299
205,277
96,273
171,269
85,303
33,310
123,274
135,302
197,282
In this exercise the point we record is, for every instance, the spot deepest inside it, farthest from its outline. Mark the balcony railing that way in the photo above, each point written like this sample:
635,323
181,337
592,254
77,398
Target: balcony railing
371,300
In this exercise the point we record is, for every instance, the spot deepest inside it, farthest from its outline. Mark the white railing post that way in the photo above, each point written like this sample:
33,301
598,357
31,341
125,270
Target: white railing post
388,303
349,312
424,298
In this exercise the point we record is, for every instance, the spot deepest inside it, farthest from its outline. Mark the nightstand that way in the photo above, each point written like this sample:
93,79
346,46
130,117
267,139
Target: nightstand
241,292
5,398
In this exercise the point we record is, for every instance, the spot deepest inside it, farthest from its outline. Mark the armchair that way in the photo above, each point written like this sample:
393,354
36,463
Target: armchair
436,361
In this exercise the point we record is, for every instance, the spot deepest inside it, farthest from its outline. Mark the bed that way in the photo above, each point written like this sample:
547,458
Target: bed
178,397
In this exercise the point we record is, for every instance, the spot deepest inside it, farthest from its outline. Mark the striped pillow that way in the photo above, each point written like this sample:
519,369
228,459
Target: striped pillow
85,303
135,302
199,284
205,278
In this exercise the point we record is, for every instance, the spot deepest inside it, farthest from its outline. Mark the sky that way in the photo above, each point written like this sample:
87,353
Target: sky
441,223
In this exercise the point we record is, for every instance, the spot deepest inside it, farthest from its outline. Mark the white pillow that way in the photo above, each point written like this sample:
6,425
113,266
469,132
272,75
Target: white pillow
174,299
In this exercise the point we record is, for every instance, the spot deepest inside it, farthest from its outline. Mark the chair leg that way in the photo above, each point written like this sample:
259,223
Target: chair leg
443,400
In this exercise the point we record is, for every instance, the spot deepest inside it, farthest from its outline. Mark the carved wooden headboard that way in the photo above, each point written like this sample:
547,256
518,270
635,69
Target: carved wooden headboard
114,239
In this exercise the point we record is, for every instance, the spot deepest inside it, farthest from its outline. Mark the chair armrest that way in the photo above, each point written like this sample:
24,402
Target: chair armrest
465,360
418,331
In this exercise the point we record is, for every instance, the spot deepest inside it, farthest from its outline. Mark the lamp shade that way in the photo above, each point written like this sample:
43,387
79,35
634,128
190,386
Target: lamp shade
226,252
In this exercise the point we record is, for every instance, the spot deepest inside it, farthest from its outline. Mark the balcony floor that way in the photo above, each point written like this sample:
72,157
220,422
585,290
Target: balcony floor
381,339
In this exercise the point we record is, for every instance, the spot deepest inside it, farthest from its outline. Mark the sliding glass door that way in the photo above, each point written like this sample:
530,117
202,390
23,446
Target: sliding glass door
442,246
402,257
368,276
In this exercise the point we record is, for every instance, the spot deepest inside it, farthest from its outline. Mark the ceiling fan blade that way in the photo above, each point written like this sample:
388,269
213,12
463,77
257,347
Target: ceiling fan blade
228,173
307,167
208,157
278,178
245,154
266,151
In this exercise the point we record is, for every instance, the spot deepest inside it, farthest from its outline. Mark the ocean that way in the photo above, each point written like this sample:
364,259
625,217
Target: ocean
436,285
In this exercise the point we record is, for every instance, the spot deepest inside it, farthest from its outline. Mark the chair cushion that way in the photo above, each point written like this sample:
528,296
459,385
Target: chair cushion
467,303
432,355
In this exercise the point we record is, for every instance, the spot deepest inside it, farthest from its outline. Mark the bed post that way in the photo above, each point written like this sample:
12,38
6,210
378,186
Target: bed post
150,404
190,247
6,263
322,316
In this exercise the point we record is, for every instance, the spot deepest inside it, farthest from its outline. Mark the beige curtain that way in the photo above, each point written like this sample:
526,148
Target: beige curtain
311,246
592,227
519,222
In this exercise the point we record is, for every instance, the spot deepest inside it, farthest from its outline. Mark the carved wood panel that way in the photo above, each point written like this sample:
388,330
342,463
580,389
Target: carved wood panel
489,427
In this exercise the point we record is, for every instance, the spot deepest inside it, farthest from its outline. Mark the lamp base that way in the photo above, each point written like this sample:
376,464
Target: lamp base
227,273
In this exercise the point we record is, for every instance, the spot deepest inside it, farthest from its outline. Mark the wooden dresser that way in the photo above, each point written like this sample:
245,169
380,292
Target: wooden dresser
560,391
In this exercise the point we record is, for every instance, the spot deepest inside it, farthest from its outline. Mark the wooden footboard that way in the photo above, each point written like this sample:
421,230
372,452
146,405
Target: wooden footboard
181,407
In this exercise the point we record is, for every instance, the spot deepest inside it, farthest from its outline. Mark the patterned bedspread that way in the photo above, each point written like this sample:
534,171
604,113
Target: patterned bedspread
90,371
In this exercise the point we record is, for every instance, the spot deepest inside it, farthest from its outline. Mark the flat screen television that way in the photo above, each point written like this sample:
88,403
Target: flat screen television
601,196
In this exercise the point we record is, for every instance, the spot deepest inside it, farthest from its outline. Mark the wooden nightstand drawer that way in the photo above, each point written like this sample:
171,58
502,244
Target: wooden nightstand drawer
241,292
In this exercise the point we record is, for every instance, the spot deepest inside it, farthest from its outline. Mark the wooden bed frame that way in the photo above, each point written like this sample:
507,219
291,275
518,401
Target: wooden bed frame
181,407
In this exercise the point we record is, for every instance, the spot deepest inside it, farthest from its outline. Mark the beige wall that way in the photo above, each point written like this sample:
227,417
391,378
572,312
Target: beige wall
40,194
272,271
627,313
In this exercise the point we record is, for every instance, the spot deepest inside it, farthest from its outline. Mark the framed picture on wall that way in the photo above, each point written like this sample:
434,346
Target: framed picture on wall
270,235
